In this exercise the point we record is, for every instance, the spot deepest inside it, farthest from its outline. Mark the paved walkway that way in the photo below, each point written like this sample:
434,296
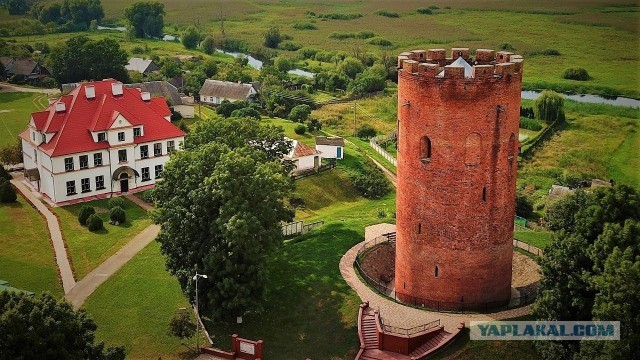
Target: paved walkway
62,259
99,275
136,200
404,316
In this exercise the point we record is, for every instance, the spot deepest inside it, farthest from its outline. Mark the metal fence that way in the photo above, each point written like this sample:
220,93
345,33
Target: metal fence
389,291
374,144
410,331
298,227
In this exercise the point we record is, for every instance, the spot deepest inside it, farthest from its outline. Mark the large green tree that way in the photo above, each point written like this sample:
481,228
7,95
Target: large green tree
81,58
43,328
18,7
146,18
596,231
220,206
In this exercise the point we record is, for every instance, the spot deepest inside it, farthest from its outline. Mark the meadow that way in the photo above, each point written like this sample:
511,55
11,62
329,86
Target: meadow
15,112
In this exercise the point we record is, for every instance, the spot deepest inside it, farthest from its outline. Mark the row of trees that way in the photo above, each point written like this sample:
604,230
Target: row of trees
146,19
77,12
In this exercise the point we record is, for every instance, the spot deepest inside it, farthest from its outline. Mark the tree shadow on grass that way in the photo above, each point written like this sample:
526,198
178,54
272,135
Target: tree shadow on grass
309,310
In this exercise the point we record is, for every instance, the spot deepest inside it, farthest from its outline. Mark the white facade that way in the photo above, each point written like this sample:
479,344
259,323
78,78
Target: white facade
331,151
308,162
187,111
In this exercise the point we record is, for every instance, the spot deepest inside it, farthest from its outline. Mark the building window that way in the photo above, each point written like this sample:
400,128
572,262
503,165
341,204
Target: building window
35,155
419,228
181,145
97,159
33,136
144,151
171,146
122,155
146,176
68,164
99,182
137,132
84,185
425,149
102,136
436,271
84,161
71,187
158,169
157,149
121,136
484,194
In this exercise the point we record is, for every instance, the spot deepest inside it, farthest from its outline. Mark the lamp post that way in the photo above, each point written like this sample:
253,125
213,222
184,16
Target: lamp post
195,278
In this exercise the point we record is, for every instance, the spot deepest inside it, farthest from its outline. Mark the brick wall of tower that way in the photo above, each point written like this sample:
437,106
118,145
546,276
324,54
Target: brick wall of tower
456,200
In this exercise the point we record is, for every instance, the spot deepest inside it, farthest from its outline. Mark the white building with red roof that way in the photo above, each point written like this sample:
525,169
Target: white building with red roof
304,157
100,139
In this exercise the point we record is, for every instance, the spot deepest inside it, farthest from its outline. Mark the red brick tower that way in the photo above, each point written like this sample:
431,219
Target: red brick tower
458,121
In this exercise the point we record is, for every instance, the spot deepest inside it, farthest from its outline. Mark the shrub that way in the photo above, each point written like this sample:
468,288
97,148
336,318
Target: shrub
85,212
272,37
570,180
387,13
300,113
289,46
296,202
379,41
340,16
366,132
506,46
191,38
94,223
4,174
433,7
137,50
549,106
314,125
117,215
181,325
208,45
370,181
530,124
48,82
579,74
246,112
300,129
524,207
307,53
550,52
117,201
304,25
424,11
7,192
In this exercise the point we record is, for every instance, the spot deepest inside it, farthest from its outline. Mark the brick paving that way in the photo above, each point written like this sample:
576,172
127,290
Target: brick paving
405,316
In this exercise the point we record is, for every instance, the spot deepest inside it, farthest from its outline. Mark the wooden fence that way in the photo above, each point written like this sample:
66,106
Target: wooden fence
374,144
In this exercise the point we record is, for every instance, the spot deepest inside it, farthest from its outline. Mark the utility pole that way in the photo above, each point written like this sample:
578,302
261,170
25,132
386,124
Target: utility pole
196,277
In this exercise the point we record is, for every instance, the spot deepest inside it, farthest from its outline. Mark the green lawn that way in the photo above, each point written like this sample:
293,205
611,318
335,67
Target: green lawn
89,249
27,260
539,239
328,189
132,308
15,112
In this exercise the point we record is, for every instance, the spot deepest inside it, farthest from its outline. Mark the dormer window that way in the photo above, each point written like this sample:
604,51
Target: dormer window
121,136
102,137
137,132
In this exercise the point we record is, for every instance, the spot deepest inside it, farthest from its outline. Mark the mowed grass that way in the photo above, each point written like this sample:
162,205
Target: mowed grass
133,308
324,190
27,260
539,239
15,112
89,249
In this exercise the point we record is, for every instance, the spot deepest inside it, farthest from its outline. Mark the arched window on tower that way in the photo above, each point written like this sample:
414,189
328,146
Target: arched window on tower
425,149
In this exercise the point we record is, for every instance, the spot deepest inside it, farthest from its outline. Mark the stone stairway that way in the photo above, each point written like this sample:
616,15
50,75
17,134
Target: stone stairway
439,340
369,331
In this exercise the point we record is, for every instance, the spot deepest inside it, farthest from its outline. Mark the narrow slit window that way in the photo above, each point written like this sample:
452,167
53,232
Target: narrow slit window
512,148
484,194
425,149
437,271
419,228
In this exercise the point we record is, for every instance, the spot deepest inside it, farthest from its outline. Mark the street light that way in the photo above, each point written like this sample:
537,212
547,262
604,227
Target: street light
195,278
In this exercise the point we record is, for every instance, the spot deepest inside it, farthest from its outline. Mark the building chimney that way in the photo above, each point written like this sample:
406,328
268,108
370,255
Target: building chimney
116,89
145,96
90,91
60,106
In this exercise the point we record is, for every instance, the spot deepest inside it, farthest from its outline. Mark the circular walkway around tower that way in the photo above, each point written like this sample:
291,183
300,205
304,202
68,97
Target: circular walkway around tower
404,316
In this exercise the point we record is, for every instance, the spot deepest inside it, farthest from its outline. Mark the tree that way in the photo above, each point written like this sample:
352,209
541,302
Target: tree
579,74
351,67
81,58
272,37
7,192
549,106
181,325
300,129
94,223
85,212
117,202
170,69
4,174
117,215
146,19
230,183
208,45
300,113
246,112
283,63
43,328
17,7
524,207
236,74
371,80
210,67
370,181
11,154
82,12
2,70
191,38
366,132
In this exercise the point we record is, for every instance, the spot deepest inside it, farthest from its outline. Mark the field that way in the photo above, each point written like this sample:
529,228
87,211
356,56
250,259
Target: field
132,308
27,260
89,249
15,112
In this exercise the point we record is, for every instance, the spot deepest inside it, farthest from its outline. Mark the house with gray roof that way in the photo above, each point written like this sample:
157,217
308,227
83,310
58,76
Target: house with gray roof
143,66
29,69
215,92
165,89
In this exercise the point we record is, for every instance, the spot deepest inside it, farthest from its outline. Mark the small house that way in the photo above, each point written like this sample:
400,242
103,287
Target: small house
168,91
331,147
215,92
30,70
143,66
304,157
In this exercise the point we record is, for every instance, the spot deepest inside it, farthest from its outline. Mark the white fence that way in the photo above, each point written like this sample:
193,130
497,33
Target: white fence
374,144
298,227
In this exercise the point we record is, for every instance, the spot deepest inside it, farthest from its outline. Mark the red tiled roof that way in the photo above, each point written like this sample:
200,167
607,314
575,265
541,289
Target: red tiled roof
73,127
304,150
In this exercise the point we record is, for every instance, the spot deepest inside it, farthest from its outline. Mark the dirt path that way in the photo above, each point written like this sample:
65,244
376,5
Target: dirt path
5,87
62,259
392,177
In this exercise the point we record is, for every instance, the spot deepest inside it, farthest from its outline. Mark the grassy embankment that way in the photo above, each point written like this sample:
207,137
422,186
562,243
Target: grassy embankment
89,249
27,260
15,112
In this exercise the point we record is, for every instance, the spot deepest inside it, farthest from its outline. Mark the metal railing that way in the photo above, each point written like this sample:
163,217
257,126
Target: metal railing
387,290
410,331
